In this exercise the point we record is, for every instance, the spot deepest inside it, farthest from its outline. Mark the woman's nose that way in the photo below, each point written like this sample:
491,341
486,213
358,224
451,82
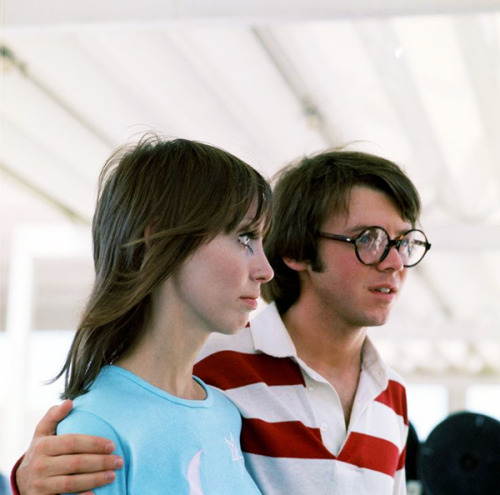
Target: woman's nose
263,271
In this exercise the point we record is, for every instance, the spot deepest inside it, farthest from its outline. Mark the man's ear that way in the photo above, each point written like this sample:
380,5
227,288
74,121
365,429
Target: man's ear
298,266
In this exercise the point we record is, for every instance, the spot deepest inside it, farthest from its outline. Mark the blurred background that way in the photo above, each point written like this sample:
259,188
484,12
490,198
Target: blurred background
415,82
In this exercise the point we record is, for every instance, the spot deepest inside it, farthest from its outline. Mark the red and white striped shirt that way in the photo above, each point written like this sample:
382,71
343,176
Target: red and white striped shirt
294,436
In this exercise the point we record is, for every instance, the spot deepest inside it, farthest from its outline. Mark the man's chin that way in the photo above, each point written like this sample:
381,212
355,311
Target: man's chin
378,321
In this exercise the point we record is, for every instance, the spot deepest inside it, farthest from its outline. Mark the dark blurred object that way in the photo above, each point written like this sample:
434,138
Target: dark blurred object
413,445
412,454
461,456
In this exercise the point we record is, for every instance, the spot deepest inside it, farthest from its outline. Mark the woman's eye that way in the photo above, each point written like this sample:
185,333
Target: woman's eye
246,240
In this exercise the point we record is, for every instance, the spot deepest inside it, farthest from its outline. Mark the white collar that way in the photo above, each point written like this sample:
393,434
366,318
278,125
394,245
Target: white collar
271,337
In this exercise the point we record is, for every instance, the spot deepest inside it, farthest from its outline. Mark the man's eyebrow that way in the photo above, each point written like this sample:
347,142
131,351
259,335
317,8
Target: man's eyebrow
360,227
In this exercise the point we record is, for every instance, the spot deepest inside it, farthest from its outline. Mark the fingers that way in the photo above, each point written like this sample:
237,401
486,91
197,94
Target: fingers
73,444
76,464
48,424
42,475
74,483
65,463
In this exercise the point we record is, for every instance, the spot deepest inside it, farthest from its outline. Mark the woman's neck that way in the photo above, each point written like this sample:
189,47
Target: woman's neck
165,357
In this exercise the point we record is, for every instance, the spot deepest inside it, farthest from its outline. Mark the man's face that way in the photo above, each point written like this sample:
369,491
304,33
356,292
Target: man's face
349,293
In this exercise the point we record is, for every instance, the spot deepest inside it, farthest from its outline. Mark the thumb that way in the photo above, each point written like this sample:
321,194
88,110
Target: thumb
48,424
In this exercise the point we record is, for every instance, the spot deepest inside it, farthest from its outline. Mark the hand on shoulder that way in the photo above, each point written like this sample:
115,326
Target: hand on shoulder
66,463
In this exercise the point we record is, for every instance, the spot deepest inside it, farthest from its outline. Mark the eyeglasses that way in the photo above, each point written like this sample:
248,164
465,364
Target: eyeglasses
373,245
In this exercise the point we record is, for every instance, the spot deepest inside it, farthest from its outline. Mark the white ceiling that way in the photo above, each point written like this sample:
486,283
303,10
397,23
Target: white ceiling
415,81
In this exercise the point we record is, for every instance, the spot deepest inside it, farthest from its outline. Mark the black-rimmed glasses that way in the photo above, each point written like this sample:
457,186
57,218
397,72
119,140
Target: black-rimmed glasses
373,245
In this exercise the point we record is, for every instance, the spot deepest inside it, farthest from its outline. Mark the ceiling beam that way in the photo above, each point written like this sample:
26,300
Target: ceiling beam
38,192
19,68
19,13
479,48
402,91
311,108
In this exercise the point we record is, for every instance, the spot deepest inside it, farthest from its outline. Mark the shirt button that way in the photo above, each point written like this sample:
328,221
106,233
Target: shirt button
324,427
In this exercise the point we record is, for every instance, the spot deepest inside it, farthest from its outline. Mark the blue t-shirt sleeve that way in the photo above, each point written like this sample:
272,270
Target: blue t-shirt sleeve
86,423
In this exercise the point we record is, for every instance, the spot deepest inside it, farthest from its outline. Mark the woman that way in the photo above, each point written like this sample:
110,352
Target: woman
178,254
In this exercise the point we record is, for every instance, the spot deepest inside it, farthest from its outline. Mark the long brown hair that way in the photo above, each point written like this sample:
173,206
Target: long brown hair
182,193
307,192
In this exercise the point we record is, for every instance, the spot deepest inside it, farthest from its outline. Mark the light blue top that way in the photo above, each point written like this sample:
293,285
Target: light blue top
169,445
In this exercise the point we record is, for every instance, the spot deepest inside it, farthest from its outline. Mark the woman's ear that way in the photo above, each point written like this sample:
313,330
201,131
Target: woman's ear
298,266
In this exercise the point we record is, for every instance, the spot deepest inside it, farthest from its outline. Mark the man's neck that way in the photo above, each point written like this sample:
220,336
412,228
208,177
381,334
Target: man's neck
323,342
332,351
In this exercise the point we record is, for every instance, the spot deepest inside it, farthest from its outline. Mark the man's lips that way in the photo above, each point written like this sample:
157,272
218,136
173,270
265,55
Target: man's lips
384,289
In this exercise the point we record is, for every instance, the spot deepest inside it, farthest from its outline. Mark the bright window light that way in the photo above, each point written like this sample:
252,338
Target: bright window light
484,399
427,406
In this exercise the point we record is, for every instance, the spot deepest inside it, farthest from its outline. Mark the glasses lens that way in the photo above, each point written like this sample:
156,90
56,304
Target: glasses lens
371,244
412,247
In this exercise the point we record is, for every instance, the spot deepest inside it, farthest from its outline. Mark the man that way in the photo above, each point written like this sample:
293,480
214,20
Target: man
322,413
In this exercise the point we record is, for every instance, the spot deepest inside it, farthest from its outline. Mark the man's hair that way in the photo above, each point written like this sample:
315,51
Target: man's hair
158,202
307,192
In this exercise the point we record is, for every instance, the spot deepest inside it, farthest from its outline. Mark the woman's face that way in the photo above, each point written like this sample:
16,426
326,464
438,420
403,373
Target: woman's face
217,287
